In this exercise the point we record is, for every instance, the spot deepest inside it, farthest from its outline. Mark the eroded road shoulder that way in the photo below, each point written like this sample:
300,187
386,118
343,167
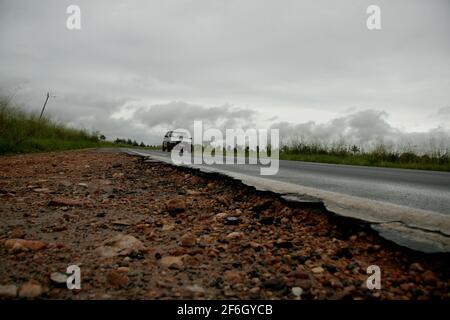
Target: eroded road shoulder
149,230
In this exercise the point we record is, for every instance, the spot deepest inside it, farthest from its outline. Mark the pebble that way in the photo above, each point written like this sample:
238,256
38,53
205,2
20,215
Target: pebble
416,267
21,245
317,270
234,235
188,240
31,289
65,202
121,244
59,278
42,190
274,284
117,278
195,289
297,291
8,291
171,261
220,216
17,233
232,221
255,290
232,276
429,277
123,269
176,205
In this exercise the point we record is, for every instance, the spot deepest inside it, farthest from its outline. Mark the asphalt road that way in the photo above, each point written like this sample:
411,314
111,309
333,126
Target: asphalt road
426,190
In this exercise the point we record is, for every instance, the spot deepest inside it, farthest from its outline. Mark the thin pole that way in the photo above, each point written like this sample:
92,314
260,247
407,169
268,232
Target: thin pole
45,103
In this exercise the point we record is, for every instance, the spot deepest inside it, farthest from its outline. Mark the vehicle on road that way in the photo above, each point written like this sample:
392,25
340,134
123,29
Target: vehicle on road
172,138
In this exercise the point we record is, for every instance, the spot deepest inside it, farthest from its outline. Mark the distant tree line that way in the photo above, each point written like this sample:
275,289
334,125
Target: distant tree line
130,142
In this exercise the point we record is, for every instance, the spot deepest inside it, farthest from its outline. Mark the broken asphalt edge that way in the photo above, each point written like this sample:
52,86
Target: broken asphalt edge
418,230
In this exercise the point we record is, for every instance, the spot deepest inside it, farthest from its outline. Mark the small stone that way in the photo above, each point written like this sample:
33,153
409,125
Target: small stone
305,284
317,270
58,228
274,284
196,289
171,261
176,205
31,289
123,269
8,291
283,244
255,290
220,216
330,268
232,276
284,221
233,221
21,245
121,244
64,202
234,235
297,291
82,184
429,277
416,267
117,278
168,227
224,200
17,233
42,190
299,275
59,278
188,240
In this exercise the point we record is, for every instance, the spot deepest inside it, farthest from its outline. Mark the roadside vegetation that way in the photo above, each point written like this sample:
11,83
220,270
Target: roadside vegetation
379,157
22,132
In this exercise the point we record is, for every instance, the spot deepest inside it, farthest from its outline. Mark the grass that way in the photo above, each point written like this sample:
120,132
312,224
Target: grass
22,132
380,157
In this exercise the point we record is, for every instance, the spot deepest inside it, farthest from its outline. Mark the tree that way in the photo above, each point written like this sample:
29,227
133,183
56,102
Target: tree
102,137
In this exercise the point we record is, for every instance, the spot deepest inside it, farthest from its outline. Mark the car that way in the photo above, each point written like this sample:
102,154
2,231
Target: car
172,138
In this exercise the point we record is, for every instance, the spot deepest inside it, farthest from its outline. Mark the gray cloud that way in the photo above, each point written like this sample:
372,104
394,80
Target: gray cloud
294,60
182,115
367,129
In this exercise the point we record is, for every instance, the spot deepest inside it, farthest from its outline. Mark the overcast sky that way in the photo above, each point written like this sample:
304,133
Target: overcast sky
138,68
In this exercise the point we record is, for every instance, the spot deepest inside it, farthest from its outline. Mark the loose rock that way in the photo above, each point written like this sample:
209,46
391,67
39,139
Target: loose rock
31,289
20,245
175,206
8,291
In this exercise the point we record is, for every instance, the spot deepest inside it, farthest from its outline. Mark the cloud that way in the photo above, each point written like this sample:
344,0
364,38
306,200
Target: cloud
367,129
182,115
132,58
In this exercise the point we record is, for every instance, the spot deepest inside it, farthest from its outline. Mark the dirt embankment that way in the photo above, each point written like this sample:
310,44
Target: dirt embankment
148,231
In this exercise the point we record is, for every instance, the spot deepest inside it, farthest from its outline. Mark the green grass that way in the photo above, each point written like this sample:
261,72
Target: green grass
22,132
441,163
